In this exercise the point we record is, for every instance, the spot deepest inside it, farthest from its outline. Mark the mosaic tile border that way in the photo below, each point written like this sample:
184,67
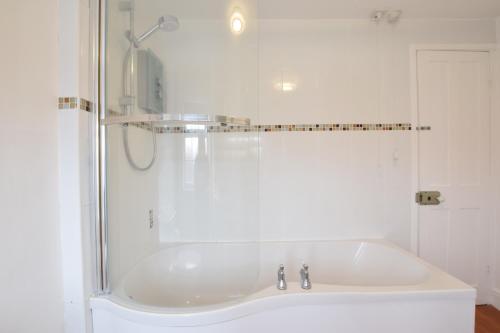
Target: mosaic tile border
85,105
68,103
286,128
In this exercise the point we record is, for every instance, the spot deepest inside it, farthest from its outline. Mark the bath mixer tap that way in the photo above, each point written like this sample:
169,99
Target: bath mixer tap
281,278
304,277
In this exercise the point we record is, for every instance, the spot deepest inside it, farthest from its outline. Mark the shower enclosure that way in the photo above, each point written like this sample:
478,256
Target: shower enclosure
186,243
178,161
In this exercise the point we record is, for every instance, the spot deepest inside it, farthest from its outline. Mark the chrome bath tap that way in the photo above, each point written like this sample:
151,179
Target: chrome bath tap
281,278
304,277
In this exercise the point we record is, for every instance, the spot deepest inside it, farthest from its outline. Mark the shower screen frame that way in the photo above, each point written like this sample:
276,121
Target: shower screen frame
98,24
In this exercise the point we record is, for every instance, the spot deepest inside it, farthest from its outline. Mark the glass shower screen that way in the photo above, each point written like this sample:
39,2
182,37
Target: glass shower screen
181,159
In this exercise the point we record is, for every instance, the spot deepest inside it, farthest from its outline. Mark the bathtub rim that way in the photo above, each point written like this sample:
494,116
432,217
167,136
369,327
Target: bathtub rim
439,286
120,285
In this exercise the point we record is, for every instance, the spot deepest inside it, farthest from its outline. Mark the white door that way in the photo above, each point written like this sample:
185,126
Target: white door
454,159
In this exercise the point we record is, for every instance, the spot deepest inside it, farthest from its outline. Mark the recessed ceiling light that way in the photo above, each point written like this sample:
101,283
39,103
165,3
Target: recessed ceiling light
237,22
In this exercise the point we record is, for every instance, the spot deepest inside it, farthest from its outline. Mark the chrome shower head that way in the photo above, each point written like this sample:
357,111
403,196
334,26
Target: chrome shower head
166,23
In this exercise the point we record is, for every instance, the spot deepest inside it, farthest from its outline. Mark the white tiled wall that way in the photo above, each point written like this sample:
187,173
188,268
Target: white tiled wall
75,207
131,194
209,187
311,185
346,185
348,70
75,165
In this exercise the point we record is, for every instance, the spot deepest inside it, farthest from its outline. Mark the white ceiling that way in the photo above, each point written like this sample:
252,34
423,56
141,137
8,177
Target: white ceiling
362,8
317,9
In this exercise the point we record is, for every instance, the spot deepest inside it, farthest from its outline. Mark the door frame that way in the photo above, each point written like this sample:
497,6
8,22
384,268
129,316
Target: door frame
414,49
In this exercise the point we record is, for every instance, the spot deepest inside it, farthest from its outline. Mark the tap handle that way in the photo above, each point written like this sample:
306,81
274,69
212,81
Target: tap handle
281,271
281,278
304,272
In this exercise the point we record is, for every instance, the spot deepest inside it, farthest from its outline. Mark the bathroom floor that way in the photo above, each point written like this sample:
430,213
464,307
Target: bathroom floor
487,319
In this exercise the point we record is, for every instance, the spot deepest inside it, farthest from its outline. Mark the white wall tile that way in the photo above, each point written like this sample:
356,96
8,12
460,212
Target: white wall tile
209,187
131,194
319,186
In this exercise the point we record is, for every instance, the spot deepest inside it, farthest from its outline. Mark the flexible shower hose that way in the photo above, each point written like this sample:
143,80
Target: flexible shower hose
129,155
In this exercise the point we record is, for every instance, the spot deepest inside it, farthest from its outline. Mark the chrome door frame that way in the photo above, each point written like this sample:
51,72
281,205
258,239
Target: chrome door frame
98,25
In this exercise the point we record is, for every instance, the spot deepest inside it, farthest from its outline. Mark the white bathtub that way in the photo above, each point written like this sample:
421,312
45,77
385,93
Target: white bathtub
357,286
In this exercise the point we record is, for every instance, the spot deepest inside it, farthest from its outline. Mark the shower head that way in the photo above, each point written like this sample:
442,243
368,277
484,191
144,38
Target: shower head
166,23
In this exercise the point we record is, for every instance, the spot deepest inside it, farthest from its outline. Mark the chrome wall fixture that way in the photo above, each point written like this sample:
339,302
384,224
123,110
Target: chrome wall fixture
98,24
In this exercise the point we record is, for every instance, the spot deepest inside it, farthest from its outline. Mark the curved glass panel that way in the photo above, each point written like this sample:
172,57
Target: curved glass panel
180,75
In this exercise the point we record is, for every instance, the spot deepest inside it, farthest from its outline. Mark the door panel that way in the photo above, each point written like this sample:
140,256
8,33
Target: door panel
463,246
453,99
434,163
433,236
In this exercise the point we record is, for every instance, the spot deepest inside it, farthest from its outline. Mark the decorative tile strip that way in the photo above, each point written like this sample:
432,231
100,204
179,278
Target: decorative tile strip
66,103
200,128
144,125
288,128
85,105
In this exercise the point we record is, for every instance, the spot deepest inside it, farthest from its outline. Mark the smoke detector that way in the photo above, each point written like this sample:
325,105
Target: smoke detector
391,16
378,15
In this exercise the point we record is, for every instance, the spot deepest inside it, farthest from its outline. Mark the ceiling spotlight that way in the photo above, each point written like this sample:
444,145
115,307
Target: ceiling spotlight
237,22
392,16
